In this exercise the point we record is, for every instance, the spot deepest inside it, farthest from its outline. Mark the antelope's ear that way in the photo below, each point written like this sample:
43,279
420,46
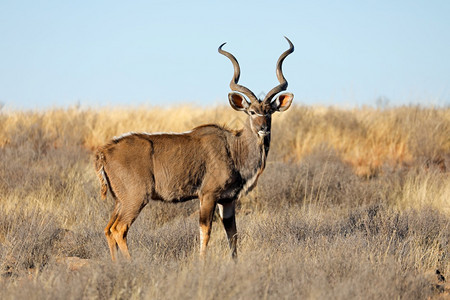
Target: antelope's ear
237,101
282,102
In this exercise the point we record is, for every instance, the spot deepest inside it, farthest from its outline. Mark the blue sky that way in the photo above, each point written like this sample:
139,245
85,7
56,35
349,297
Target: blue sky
132,53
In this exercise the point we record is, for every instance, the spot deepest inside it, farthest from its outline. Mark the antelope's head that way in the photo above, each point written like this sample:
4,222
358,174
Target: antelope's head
259,110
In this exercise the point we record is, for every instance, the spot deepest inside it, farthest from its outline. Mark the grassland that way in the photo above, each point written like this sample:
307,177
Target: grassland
352,204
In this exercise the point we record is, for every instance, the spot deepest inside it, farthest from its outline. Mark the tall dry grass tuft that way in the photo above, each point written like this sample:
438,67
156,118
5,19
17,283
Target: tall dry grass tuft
369,139
352,204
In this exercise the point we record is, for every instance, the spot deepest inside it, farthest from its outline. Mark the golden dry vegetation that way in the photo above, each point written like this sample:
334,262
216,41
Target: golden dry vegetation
352,204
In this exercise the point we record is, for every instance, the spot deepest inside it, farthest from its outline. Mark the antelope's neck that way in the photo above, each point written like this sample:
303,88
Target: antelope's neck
250,156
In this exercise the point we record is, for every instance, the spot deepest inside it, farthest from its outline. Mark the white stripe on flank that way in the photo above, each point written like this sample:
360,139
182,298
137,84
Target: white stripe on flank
117,138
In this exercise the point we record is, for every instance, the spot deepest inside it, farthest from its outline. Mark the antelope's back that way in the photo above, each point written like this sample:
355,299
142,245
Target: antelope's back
169,167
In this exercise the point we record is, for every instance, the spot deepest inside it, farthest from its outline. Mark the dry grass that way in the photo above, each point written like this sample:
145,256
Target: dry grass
353,204
369,139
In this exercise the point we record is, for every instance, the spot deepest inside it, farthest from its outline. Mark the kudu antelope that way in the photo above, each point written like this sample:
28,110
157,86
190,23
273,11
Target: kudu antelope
212,163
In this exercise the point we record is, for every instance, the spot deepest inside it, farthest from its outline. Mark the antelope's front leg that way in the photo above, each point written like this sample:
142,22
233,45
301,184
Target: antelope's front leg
227,213
207,207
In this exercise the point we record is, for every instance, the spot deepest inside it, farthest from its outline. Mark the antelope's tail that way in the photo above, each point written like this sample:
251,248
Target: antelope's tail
99,163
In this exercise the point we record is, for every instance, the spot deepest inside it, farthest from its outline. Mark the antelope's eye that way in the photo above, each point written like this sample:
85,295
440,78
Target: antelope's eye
252,113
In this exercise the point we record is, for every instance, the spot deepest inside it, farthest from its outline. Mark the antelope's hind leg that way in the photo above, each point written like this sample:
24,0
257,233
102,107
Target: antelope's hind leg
127,214
108,233
120,231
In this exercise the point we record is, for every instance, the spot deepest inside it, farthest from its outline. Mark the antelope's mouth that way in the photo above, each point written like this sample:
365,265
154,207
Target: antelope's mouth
263,133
